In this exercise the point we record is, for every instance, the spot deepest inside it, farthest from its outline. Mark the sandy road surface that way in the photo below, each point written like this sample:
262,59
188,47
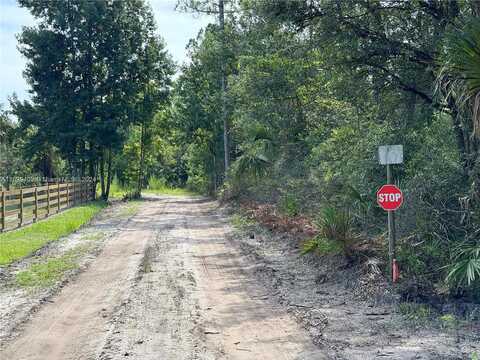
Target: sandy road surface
168,286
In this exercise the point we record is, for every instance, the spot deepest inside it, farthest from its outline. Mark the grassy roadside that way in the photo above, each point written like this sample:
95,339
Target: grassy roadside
49,270
52,269
169,191
46,273
20,243
155,188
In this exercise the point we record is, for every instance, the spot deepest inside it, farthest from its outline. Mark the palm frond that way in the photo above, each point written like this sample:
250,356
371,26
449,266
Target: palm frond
459,75
465,269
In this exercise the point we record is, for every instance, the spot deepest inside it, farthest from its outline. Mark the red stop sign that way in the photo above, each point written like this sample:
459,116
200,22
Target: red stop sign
389,197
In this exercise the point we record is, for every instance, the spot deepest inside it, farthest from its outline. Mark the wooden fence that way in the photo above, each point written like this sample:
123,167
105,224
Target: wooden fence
20,207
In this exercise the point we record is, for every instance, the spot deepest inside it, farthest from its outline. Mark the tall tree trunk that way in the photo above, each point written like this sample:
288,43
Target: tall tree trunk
102,174
214,174
142,159
221,20
92,166
109,173
93,169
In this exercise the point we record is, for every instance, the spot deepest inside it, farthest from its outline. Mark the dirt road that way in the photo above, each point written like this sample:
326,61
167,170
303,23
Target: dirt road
169,285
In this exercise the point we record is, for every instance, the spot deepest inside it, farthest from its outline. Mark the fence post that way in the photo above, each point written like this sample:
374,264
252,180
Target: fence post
21,208
68,194
36,205
48,198
81,192
58,197
3,210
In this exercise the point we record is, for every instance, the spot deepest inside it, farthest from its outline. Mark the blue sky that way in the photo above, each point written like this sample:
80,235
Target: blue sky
175,27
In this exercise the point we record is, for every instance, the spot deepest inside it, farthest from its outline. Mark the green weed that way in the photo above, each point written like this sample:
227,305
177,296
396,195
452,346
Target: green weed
159,187
417,313
94,236
242,222
289,205
169,191
47,273
322,246
131,208
448,321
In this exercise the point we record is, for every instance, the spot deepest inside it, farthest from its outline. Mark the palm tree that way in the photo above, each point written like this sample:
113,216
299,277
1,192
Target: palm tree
459,74
459,83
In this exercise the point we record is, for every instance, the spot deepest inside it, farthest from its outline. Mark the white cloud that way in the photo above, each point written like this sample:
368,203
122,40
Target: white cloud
175,27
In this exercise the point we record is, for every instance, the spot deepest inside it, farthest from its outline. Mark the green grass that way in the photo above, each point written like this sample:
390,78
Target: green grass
94,236
46,273
418,314
17,244
242,222
116,191
51,270
131,208
158,186
169,191
322,246
155,187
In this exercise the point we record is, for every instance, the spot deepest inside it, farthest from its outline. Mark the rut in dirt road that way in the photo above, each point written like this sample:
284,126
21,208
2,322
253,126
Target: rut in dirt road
170,285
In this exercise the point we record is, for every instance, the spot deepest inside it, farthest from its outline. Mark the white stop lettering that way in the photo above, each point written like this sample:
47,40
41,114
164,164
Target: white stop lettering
389,197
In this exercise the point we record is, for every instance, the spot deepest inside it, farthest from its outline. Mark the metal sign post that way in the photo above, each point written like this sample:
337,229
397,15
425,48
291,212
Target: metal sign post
388,155
391,226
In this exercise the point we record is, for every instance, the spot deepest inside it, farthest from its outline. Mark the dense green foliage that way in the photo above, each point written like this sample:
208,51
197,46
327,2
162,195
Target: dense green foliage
96,69
314,88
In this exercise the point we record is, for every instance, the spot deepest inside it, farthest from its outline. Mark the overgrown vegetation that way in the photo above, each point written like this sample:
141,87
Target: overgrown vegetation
335,229
314,89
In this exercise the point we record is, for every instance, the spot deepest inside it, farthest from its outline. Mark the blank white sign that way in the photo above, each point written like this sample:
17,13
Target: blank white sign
390,154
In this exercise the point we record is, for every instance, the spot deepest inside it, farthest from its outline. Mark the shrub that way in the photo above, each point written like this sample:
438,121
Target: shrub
464,271
337,225
289,205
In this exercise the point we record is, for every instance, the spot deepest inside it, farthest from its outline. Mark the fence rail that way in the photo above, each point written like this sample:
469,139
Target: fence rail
19,207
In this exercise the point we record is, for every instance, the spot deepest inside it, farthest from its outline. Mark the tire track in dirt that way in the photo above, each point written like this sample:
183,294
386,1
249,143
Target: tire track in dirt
239,323
74,324
169,286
